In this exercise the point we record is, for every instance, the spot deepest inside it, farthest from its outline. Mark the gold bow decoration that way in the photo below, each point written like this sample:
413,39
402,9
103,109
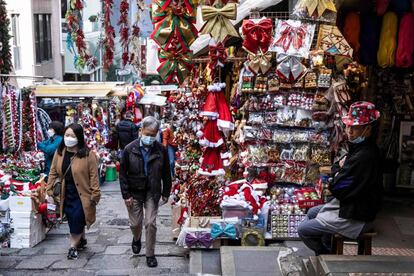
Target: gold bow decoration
260,62
317,5
218,23
175,65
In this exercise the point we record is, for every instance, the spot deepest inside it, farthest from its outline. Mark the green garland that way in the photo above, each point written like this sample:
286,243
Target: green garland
5,50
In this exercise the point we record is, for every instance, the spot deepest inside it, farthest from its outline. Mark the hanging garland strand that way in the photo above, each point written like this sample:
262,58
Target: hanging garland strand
124,31
5,52
109,42
77,37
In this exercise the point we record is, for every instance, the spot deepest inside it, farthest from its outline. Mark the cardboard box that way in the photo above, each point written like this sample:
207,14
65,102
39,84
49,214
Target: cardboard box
28,230
21,204
175,215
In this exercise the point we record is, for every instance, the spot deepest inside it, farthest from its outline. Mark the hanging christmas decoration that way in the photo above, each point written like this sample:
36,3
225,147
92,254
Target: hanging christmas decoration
175,24
5,53
217,55
218,23
109,42
124,31
175,65
76,37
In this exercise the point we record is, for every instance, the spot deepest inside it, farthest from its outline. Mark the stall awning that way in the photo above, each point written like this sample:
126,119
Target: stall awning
77,89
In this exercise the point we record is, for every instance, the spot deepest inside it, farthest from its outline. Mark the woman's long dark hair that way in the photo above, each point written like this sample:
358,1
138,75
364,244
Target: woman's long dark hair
78,130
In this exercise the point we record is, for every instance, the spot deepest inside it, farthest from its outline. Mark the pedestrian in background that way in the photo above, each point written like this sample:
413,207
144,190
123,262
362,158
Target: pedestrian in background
145,179
77,168
51,144
168,140
126,130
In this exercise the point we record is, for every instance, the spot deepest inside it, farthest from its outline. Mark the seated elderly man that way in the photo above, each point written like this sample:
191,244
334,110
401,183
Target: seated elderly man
145,178
356,188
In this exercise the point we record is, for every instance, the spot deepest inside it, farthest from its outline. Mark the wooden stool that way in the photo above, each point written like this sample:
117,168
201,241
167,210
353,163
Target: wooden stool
364,243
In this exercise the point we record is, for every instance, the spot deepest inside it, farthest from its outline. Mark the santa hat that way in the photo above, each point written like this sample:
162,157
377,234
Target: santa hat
211,164
211,136
251,197
225,120
258,184
210,108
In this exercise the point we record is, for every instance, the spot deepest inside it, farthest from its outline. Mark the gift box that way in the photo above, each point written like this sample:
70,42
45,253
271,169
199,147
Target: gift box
202,222
285,226
236,212
305,201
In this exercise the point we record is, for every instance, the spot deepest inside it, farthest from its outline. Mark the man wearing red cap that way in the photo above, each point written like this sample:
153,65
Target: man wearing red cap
356,186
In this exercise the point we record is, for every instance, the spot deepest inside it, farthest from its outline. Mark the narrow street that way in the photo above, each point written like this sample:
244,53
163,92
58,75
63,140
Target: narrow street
108,251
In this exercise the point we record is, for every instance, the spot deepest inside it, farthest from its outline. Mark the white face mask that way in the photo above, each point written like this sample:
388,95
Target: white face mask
51,133
70,142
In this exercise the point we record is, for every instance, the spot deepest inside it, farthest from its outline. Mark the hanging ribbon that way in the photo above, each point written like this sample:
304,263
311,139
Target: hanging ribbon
175,65
198,239
173,23
189,4
289,66
291,35
227,230
217,55
260,62
257,36
218,23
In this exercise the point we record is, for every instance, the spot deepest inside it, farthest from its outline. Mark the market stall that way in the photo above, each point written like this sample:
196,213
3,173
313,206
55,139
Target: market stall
252,175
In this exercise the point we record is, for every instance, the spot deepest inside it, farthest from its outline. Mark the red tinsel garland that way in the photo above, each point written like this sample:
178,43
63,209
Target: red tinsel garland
73,18
109,34
124,31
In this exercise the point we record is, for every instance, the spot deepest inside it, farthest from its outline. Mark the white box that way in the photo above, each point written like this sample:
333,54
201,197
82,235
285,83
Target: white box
28,230
21,204
4,205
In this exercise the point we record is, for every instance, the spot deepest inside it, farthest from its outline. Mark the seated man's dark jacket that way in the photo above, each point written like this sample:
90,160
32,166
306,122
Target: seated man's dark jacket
127,132
134,183
358,184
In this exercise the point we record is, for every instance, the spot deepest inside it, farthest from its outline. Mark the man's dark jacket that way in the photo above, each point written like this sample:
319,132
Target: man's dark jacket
134,182
127,132
358,184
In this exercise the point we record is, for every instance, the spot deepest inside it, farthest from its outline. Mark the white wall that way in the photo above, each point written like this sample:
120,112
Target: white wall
26,9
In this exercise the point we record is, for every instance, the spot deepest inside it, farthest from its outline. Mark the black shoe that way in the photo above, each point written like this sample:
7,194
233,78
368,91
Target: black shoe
136,246
82,244
152,261
73,253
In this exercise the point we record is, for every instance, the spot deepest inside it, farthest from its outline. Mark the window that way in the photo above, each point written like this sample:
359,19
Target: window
16,41
43,37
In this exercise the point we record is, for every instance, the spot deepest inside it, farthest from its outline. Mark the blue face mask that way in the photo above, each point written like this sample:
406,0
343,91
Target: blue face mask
358,140
147,140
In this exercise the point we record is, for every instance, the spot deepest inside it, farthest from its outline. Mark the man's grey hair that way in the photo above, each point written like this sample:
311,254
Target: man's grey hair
151,123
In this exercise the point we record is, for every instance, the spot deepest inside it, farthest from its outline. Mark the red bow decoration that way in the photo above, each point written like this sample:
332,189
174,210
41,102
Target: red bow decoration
189,4
257,36
291,35
218,56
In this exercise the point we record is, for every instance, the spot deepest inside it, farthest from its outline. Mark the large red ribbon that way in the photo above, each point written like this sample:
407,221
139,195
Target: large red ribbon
291,35
257,35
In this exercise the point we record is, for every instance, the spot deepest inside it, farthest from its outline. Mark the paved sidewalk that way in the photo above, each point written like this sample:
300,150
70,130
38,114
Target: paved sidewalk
109,247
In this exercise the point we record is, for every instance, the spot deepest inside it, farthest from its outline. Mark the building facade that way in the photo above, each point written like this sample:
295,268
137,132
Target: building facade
36,43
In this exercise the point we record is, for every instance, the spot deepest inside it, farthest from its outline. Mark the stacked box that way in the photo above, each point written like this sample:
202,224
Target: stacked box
28,226
285,226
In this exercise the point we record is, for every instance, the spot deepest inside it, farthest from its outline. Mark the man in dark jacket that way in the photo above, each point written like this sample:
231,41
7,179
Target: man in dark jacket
356,187
145,178
127,131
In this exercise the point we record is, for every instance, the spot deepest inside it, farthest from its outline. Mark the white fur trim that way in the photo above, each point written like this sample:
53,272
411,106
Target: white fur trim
209,114
199,134
244,186
206,143
238,182
212,173
225,155
262,186
225,125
